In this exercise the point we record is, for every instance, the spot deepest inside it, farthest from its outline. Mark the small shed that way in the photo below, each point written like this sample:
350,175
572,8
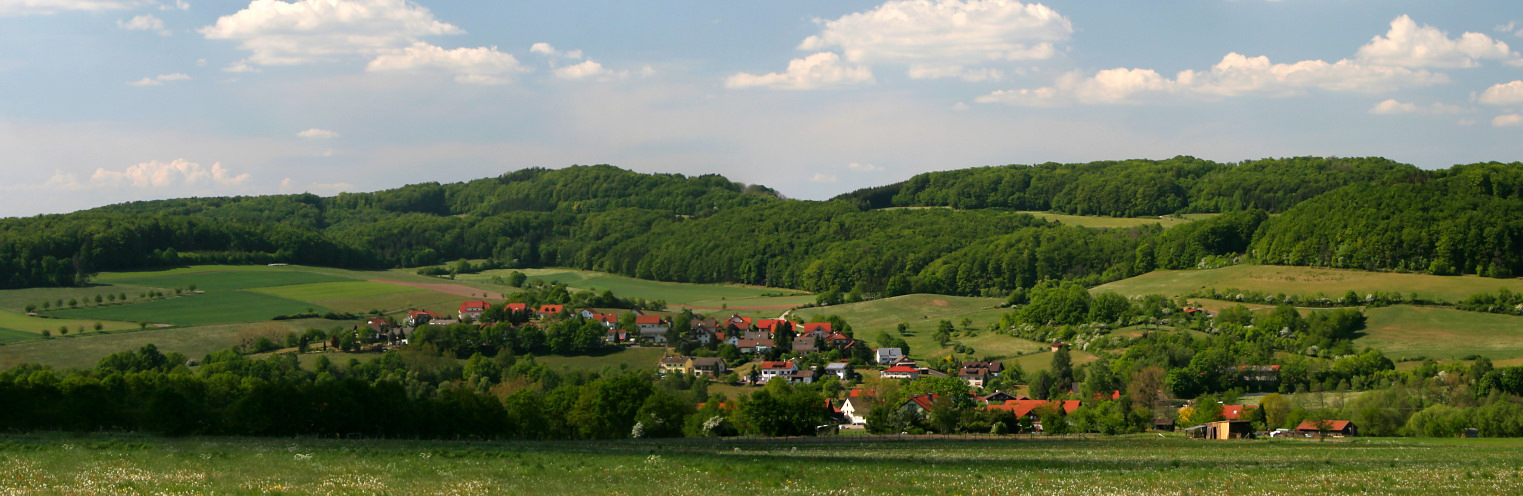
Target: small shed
1336,428
1228,429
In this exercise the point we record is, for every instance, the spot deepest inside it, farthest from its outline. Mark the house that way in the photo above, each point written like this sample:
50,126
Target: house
977,373
704,330
900,372
1235,412
473,309
651,326
379,324
805,376
770,370
681,365
1029,409
839,340
416,318
1222,429
609,320
737,323
921,403
855,410
816,330
1336,428
999,396
839,369
709,366
888,355
545,311
803,345
616,335
519,308
754,345
771,326
586,313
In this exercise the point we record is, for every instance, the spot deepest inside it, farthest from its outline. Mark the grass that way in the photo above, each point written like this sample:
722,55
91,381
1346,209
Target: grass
707,296
924,313
22,322
1307,281
210,308
625,358
1441,333
396,303
135,464
10,336
246,278
1043,361
1117,222
84,351
321,291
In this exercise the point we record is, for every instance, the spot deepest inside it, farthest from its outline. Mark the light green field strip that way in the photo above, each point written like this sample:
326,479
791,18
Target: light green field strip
21,322
1307,281
316,292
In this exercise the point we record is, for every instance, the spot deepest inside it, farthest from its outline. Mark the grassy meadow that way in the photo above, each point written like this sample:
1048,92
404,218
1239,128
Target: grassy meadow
48,464
253,276
1101,222
701,297
85,351
1307,281
199,309
1442,333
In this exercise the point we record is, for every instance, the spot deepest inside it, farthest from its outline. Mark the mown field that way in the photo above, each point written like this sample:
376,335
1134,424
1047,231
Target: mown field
22,322
210,308
1307,281
1118,222
701,297
131,465
1442,333
85,351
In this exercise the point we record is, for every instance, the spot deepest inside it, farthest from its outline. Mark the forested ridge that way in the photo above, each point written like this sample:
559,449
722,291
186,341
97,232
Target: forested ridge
1367,213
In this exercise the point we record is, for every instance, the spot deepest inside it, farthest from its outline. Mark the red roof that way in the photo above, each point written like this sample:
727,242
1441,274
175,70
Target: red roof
814,326
418,313
518,307
769,324
776,365
1334,425
926,401
836,336
475,306
549,309
1234,412
1022,408
647,319
859,393
901,368
606,317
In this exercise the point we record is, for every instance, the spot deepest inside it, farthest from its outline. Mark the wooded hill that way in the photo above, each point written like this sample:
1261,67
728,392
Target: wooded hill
1364,213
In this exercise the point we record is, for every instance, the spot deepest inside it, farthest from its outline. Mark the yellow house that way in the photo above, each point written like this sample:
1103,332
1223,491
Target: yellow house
681,365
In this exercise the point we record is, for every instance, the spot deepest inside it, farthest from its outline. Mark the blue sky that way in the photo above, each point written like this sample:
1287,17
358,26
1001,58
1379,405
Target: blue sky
104,101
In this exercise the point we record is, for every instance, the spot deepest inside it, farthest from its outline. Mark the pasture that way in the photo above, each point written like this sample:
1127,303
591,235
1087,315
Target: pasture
256,276
1100,222
320,291
699,296
1441,333
1307,281
210,308
84,351
1147,464
22,322
923,313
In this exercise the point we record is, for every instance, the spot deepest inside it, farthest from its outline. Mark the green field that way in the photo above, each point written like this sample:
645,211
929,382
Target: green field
629,358
320,291
22,322
1147,464
241,278
923,313
210,308
84,351
1042,361
1307,281
9,336
1442,333
707,296
1118,222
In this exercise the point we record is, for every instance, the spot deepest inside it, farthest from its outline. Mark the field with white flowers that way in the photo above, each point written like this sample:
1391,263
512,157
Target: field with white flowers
97,464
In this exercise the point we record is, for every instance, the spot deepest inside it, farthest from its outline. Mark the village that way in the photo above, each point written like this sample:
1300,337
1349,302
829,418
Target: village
751,352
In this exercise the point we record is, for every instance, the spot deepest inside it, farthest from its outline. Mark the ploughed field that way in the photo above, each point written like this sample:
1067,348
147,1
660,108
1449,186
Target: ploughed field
1144,464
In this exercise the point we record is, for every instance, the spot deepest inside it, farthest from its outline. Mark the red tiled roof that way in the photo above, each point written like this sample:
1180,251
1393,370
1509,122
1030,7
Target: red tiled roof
474,306
861,393
1334,425
551,308
518,307
647,319
813,326
776,365
926,401
901,368
1235,412
1022,408
769,324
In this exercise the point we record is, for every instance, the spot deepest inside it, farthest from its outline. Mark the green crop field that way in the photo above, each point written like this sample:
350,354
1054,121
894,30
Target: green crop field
395,303
630,358
1117,222
321,291
22,322
1307,281
9,336
84,351
210,308
706,295
1144,465
1442,333
246,278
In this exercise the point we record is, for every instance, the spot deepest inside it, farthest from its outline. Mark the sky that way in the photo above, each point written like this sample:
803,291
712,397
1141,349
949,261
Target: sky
107,101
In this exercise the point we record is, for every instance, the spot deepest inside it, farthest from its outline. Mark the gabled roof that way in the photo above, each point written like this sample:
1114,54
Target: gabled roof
474,306
551,308
518,307
647,319
1022,408
752,343
817,326
924,401
777,365
419,313
1234,412
769,324
902,369
862,393
836,336
674,360
1333,425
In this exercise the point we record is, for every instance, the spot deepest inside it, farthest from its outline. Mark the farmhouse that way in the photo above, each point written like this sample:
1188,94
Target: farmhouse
416,318
473,309
1336,428
651,326
770,370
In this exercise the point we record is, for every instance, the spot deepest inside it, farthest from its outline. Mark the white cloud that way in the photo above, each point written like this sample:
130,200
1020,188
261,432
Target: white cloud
1505,120
960,106
158,175
549,50
239,67
44,7
159,80
941,38
177,5
820,70
307,31
145,22
1408,45
1392,107
483,65
1235,75
588,70
860,167
316,133
1504,94
821,177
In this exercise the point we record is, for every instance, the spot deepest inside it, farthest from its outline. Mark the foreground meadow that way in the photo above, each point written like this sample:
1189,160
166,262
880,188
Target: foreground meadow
59,464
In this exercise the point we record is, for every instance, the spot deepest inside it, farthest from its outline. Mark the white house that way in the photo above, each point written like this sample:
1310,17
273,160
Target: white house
651,326
855,410
837,368
770,370
887,356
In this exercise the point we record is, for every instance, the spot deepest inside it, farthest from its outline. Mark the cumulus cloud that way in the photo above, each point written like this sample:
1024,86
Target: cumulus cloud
159,175
483,65
1235,75
45,7
1504,94
306,31
820,70
1410,45
861,167
160,79
145,22
1393,107
939,39
240,67
821,177
549,50
316,133
177,5
586,70
1506,120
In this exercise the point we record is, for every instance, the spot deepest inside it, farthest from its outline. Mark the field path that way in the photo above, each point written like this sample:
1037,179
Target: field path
454,289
